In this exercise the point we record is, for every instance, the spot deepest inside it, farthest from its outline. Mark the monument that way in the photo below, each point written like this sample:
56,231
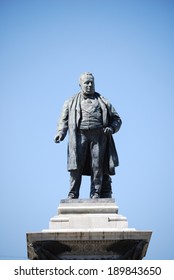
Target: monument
89,228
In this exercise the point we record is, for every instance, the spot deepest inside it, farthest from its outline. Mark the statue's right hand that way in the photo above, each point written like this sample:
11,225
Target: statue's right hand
58,138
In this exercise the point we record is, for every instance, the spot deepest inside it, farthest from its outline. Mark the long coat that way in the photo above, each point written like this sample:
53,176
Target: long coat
69,121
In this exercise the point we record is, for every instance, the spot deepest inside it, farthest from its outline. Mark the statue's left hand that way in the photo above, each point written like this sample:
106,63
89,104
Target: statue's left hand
108,130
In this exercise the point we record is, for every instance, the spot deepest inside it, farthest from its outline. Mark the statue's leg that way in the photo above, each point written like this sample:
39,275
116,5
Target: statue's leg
106,190
75,181
76,175
97,149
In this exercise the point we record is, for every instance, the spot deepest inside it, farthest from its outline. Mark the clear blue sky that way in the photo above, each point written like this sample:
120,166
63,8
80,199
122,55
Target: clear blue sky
129,47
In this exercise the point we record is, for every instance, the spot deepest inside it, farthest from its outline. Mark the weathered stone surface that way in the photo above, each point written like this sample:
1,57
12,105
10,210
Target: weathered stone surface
88,245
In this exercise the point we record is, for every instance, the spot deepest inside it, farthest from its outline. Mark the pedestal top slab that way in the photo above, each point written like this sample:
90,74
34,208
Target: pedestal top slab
101,205
91,201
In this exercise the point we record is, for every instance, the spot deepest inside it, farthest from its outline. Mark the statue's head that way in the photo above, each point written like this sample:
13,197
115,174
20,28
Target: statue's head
86,83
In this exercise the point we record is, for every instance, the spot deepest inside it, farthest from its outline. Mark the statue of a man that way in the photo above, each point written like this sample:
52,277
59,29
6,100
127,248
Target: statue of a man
90,120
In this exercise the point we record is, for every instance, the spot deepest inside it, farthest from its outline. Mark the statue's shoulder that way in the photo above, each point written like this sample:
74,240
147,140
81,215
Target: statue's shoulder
71,102
73,97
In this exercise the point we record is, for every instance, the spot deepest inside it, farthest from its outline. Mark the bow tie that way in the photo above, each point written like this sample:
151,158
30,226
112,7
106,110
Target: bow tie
88,97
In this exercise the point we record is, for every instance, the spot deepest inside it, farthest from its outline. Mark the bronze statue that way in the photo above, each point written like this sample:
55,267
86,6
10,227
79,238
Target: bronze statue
90,120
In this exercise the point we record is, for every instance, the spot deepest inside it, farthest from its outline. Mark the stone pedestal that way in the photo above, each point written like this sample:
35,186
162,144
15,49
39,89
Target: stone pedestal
88,229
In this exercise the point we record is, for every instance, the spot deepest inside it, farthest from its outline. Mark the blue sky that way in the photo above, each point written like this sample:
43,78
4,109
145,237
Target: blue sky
128,46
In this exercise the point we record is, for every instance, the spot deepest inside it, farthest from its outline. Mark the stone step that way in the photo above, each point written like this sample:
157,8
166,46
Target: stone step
88,221
82,206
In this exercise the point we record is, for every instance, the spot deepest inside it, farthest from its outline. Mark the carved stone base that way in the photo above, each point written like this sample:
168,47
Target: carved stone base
88,229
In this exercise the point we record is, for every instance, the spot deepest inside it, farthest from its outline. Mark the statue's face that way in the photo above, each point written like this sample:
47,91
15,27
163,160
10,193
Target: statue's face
87,85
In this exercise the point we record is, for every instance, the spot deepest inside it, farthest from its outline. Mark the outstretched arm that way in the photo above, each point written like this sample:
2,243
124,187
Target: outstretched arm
62,124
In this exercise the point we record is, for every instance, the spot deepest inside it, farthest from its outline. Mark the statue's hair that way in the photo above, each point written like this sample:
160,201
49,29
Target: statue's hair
85,74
